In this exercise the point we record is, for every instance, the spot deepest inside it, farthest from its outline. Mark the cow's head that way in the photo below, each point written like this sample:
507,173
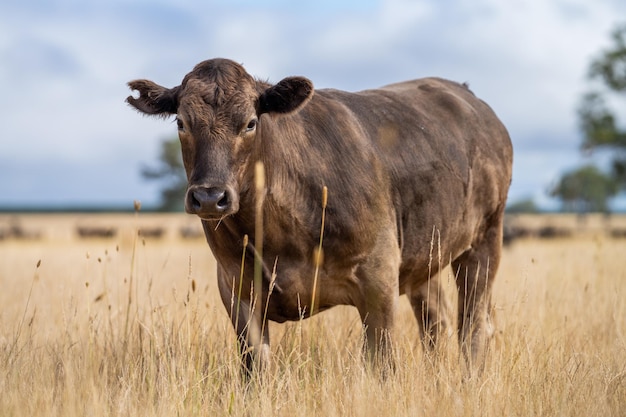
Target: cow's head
217,108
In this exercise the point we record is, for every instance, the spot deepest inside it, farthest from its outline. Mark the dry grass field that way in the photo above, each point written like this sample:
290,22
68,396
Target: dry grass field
133,326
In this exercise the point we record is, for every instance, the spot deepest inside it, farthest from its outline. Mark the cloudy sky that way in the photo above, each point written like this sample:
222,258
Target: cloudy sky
68,138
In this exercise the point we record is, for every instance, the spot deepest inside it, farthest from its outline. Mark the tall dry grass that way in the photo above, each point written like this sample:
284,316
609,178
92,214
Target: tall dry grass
92,329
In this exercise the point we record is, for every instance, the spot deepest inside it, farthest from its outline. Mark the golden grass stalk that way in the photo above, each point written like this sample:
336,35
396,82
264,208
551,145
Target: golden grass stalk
318,254
241,272
137,207
269,294
259,181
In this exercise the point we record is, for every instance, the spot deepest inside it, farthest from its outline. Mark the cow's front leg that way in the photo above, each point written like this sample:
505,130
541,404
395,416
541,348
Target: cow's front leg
252,337
254,343
378,278
378,318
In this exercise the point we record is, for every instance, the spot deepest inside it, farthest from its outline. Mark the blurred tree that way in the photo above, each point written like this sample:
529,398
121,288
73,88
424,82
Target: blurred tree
526,205
585,189
597,120
170,173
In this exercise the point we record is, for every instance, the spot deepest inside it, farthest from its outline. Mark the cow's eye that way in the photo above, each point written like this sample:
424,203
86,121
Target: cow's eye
251,125
180,124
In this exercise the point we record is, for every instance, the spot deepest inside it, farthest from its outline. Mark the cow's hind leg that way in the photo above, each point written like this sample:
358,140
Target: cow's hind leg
475,271
431,309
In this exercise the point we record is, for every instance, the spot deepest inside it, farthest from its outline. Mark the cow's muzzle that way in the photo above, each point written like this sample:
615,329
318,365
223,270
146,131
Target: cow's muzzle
211,202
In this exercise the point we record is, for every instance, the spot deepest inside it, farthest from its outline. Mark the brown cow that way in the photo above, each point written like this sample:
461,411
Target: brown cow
403,165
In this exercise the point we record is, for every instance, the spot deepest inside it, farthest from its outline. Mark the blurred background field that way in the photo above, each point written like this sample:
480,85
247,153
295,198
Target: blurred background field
56,228
125,325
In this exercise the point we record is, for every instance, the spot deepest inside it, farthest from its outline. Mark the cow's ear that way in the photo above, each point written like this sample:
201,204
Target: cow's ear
153,99
287,96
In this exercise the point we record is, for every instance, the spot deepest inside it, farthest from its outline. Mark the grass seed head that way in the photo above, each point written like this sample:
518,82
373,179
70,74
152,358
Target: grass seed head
318,256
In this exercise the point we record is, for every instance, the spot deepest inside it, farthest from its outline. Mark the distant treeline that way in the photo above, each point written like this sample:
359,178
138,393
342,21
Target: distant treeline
76,209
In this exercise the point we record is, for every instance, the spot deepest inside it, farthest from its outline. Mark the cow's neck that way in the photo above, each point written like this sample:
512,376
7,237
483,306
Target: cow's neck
292,195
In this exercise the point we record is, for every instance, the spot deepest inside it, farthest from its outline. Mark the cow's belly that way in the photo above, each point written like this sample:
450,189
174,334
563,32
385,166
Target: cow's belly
423,258
334,287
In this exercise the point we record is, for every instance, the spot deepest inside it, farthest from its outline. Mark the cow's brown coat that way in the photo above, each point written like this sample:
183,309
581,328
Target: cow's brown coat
406,166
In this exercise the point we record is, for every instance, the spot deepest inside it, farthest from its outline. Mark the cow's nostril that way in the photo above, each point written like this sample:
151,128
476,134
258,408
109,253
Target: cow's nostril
224,202
195,202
